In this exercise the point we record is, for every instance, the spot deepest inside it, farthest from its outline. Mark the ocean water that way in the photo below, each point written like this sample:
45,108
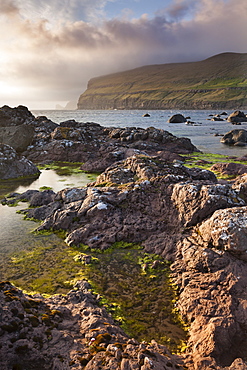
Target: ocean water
203,134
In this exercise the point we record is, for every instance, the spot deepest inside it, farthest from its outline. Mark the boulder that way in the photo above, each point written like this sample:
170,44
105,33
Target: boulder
236,137
216,118
237,117
195,201
227,230
18,137
13,166
177,118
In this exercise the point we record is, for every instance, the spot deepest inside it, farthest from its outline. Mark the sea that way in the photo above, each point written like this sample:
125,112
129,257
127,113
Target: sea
204,133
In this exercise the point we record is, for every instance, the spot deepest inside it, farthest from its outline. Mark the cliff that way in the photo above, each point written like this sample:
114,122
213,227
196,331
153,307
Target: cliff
218,82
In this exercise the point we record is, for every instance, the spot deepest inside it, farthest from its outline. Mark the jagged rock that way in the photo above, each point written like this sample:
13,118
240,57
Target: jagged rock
43,129
226,230
240,185
154,209
15,116
237,117
13,166
150,201
195,201
69,195
16,127
141,167
34,334
42,198
99,147
212,300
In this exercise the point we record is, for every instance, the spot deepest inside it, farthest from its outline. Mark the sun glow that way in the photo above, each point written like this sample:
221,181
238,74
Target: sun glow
10,90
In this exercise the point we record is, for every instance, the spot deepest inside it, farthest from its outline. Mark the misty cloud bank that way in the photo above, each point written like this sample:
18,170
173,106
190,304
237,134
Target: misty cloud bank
51,51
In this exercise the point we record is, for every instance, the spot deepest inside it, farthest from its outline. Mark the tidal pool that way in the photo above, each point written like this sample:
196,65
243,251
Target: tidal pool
141,299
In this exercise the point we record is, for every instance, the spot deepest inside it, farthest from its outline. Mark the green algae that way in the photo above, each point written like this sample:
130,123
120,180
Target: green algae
47,270
140,298
207,160
42,188
67,169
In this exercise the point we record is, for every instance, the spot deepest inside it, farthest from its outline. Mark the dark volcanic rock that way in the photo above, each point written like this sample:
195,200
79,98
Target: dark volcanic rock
141,211
183,214
13,166
16,127
98,147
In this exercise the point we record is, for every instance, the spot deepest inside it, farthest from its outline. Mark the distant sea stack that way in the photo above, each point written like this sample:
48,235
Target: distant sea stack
219,82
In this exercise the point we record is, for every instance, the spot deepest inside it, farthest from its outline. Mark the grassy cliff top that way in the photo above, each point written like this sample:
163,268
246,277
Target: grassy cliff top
156,82
227,69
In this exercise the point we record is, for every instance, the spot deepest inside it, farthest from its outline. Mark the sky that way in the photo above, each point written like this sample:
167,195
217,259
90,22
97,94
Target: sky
50,49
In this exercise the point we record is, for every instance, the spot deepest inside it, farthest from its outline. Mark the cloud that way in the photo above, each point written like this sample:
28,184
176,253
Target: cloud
9,8
180,9
48,58
62,10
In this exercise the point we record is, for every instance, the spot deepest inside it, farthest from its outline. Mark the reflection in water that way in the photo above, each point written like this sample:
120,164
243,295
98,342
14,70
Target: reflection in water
10,186
56,182
15,232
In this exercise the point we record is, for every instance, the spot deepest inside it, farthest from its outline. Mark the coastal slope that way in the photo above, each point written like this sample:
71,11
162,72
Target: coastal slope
218,82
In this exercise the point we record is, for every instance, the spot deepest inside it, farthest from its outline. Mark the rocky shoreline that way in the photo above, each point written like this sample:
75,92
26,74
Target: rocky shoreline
144,194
